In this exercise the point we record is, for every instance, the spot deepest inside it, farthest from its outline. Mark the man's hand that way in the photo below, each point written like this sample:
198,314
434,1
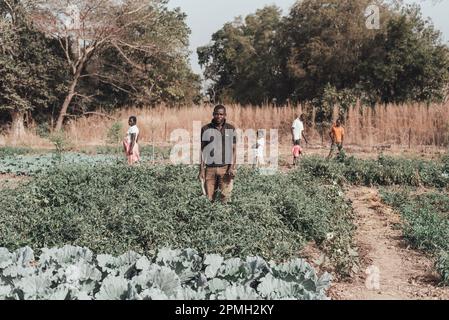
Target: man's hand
202,174
231,172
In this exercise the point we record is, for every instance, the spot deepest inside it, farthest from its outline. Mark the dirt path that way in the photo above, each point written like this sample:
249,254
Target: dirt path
389,269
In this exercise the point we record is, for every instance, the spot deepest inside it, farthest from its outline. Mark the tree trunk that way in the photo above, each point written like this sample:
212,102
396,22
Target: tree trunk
71,92
66,104
17,127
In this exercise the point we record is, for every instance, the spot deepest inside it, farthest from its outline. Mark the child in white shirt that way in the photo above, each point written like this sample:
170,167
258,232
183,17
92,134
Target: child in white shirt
259,148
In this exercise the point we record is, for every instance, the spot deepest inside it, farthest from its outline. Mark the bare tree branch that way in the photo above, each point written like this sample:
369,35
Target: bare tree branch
100,114
13,14
134,64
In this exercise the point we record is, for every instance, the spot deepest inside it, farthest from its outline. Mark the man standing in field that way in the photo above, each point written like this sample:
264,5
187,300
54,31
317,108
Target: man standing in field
218,156
298,131
337,135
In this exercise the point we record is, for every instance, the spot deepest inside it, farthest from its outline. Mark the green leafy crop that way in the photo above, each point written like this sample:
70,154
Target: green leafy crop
75,273
115,208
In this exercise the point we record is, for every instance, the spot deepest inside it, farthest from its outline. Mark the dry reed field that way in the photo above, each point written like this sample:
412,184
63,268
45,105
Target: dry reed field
406,126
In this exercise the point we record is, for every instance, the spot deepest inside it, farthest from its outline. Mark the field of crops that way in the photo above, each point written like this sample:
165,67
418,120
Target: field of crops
248,248
426,223
25,161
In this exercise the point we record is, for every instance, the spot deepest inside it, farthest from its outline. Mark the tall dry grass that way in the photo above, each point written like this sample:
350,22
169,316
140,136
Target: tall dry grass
414,124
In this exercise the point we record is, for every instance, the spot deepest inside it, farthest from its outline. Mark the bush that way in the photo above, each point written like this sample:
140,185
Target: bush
13,151
384,171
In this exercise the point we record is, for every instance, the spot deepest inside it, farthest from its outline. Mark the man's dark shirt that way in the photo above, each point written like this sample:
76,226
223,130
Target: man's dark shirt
228,139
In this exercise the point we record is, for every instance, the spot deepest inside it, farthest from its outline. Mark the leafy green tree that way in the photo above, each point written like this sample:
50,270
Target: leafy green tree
243,61
30,66
325,53
407,62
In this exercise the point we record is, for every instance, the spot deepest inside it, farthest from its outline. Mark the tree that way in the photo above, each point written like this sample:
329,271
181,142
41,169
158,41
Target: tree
326,54
167,76
30,65
243,60
407,62
325,39
135,31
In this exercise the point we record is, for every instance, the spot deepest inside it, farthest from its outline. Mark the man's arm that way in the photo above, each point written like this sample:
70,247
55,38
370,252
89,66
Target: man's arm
202,174
305,139
331,134
293,135
133,141
231,167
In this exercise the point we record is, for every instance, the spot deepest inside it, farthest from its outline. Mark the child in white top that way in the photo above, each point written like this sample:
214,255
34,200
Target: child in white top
259,150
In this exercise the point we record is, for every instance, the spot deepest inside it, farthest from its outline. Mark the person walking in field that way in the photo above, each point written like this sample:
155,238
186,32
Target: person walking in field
259,149
218,156
298,131
337,135
130,143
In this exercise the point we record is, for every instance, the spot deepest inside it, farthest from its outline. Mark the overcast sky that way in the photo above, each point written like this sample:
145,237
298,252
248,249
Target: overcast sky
207,16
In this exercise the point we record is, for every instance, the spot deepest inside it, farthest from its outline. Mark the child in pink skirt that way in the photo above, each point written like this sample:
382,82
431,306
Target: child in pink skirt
296,151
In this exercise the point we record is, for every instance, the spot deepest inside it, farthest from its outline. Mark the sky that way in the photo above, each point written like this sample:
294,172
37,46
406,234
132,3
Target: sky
205,17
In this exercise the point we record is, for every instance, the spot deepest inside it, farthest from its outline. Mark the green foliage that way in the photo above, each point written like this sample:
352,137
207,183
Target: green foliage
13,151
31,76
383,171
149,152
114,136
244,59
74,273
43,130
117,208
59,140
323,54
406,62
425,223
34,164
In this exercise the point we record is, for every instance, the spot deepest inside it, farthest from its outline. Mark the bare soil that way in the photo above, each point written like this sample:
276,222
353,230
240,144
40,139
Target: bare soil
390,270
8,181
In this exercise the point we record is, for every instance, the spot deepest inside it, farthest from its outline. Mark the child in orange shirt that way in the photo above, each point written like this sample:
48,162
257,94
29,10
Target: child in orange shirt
337,135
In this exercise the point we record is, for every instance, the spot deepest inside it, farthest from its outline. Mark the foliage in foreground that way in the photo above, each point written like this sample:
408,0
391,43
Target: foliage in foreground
75,273
425,224
115,208
384,171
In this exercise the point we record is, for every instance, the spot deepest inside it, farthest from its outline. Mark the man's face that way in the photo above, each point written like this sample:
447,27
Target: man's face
219,116
338,123
131,122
